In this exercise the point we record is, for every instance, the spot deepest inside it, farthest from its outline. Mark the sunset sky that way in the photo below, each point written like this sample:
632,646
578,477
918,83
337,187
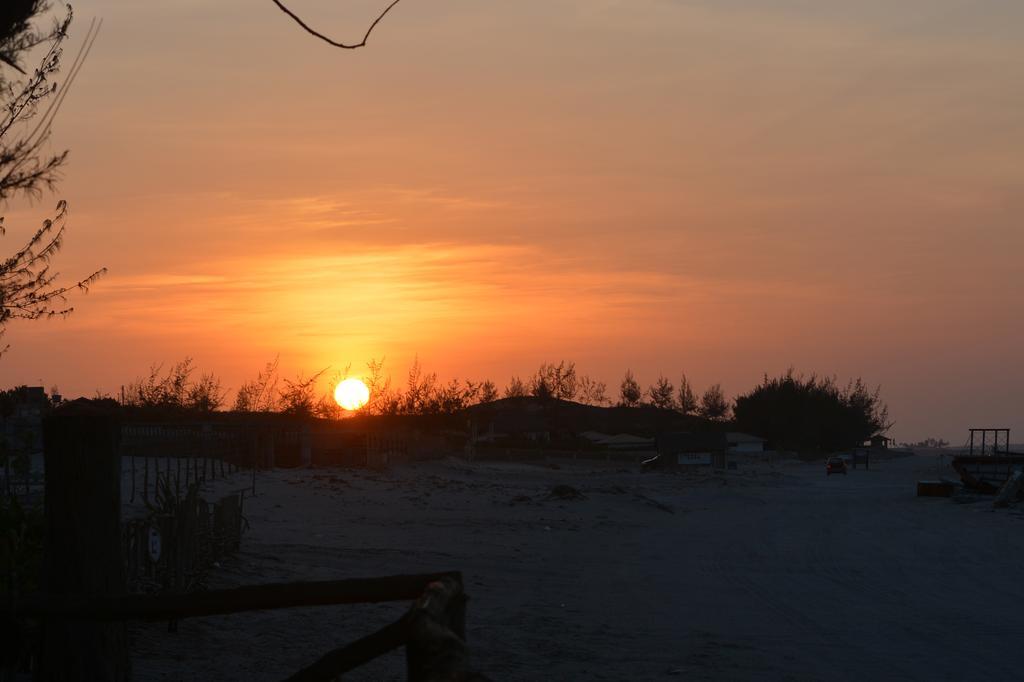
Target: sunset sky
722,187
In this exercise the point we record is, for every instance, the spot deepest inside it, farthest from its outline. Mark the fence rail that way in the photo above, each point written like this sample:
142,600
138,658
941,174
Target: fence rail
432,630
185,454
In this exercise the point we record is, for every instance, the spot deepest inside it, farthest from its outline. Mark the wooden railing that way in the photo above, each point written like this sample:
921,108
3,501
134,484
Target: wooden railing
432,630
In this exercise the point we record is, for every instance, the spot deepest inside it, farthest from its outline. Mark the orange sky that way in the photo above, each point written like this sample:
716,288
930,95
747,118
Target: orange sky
725,187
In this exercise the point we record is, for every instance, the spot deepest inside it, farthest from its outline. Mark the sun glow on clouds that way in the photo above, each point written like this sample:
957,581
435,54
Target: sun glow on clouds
461,305
410,294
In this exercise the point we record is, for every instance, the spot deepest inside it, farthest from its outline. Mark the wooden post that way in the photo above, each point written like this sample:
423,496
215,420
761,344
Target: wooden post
436,649
83,545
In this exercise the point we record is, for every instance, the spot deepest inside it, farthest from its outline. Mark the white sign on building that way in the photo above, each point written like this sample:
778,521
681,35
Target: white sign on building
694,459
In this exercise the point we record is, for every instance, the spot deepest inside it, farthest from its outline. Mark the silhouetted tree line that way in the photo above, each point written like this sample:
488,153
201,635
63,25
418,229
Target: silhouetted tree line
662,394
424,393
180,387
811,414
927,443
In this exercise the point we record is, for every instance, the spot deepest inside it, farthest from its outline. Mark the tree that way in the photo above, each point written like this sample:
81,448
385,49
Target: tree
452,397
206,394
662,394
383,399
420,391
488,392
335,43
158,390
812,415
298,397
713,404
28,288
516,388
260,394
593,392
326,407
176,389
629,391
687,399
555,381
928,443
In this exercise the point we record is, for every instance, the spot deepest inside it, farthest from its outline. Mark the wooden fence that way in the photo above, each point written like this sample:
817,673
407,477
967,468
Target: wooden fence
79,614
172,552
180,535
185,455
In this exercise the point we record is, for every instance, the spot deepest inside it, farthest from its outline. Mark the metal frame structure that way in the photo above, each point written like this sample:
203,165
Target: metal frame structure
984,445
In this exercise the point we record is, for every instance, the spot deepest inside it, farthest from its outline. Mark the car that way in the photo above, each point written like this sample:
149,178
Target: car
835,465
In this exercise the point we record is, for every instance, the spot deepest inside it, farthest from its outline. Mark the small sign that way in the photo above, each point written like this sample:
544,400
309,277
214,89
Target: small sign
154,544
694,459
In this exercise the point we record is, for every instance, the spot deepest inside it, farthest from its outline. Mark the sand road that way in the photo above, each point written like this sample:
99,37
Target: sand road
766,573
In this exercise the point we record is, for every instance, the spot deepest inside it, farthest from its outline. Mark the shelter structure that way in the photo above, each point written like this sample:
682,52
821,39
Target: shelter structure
744,443
693,449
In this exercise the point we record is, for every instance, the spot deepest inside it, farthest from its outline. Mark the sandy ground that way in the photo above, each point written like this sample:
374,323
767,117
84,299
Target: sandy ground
763,573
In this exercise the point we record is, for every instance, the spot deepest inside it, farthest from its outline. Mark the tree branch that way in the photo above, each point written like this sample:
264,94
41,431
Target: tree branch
348,46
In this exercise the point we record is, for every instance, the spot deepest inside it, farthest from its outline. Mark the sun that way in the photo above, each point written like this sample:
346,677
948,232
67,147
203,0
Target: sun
351,394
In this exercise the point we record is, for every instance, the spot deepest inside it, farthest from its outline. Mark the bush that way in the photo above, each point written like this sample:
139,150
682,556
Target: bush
811,415
177,389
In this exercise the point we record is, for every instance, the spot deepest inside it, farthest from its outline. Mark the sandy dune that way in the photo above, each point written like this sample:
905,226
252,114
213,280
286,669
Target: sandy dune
765,573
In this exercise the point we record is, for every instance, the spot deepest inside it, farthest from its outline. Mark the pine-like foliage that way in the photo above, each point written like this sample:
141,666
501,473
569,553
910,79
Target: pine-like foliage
176,389
713,404
812,415
516,388
687,400
593,392
662,394
555,381
28,285
630,392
